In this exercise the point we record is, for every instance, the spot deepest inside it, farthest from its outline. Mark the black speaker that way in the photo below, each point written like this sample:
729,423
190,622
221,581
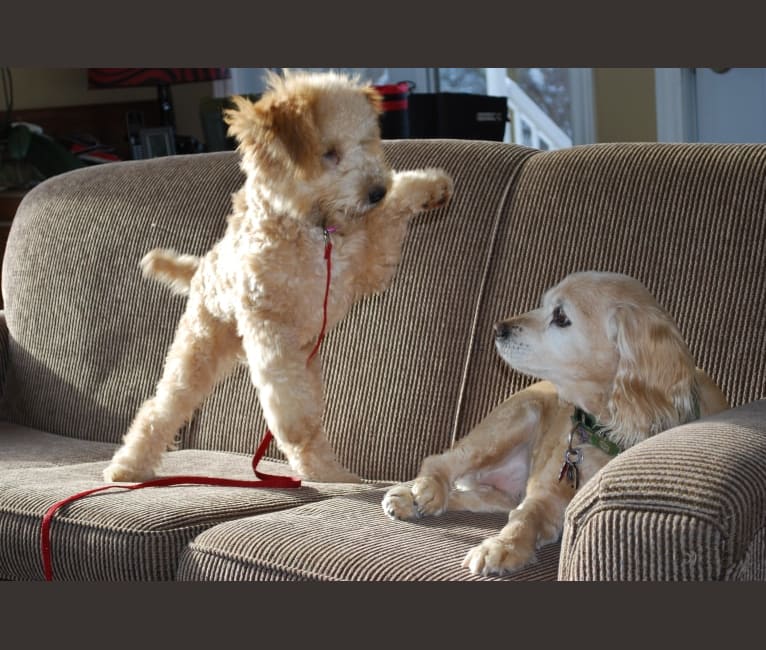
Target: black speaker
463,116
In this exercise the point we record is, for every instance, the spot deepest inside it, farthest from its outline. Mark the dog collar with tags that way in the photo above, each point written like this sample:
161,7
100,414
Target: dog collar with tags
585,426
591,432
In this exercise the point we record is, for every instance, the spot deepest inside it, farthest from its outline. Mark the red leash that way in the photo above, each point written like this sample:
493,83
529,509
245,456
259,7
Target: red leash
265,480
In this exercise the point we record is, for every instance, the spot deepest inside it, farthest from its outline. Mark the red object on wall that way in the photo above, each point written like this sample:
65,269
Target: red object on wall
119,77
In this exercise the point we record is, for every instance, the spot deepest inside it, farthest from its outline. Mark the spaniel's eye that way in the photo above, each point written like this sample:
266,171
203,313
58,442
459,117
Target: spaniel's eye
560,318
331,156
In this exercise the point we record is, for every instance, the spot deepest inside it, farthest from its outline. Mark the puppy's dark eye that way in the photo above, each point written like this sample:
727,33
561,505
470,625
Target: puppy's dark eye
560,318
331,156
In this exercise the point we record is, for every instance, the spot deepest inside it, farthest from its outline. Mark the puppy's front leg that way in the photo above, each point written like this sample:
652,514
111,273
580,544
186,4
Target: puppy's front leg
386,225
418,190
291,396
203,350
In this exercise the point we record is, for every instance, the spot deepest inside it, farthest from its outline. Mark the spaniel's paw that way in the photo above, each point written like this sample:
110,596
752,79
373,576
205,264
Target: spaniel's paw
496,557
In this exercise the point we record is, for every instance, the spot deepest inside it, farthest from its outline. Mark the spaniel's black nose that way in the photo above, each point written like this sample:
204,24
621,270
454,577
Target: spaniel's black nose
502,330
376,194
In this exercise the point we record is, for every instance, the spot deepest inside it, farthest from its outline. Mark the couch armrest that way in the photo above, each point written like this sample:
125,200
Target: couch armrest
687,504
3,352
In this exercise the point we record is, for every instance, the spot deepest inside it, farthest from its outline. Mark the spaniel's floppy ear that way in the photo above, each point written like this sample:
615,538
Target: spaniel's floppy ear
655,384
277,128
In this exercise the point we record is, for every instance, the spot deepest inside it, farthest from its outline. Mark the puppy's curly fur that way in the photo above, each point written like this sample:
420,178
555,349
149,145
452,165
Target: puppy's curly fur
601,343
313,159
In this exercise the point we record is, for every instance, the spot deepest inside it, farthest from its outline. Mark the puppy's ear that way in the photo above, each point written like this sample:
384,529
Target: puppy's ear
242,120
655,385
375,99
290,123
277,127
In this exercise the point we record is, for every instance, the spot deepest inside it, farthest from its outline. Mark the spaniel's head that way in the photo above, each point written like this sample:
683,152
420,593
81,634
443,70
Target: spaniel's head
611,349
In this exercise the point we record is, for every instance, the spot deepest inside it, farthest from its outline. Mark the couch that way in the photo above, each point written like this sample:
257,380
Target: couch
83,338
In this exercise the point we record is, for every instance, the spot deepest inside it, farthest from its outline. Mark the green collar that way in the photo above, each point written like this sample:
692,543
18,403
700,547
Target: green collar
593,433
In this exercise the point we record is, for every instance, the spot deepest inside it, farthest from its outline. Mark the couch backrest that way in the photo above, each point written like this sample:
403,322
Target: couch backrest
411,369
88,335
688,220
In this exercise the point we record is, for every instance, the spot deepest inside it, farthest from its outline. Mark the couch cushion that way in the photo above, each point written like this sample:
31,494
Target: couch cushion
130,535
348,538
25,447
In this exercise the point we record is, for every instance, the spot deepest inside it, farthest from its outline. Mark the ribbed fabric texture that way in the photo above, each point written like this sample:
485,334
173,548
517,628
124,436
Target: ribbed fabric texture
687,504
3,352
406,373
25,447
88,333
348,538
686,220
393,368
130,535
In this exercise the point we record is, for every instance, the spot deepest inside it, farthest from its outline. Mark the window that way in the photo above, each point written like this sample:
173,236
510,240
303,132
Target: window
526,133
549,89
548,108
463,80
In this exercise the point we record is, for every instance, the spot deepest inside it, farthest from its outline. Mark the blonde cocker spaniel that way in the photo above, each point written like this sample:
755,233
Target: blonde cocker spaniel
616,371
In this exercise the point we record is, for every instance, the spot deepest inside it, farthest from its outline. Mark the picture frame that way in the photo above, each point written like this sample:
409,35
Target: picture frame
157,141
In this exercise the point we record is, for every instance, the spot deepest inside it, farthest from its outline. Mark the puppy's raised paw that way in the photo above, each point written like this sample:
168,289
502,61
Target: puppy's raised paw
494,556
423,189
440,189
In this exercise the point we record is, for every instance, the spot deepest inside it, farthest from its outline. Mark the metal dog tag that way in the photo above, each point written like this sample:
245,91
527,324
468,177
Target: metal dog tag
572,458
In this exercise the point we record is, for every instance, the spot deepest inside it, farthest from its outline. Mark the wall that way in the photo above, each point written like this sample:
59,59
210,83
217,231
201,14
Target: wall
625,104
623,97
52,87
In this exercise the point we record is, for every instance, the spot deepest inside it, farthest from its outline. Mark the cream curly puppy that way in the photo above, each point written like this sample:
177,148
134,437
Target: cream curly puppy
617,371
312,155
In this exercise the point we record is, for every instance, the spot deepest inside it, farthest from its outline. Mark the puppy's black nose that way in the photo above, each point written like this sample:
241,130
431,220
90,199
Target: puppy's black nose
376,194
502,330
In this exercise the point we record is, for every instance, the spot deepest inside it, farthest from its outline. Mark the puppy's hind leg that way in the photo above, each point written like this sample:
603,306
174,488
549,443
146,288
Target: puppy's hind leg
202,351
292,399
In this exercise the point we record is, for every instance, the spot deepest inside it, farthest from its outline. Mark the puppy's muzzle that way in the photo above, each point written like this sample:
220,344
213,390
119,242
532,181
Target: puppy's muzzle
376,194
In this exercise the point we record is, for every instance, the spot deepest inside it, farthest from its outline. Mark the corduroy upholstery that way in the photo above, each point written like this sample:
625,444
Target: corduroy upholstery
130,535
406,373
346,538
688,504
